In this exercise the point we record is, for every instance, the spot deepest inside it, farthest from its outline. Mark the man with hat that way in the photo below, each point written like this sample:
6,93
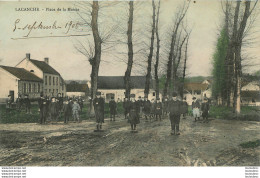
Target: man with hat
139,105
158,109
205,109
54,109
19,102
60,103
126,106
9,102
195,108
175,113
184,108
147,108
43,105
112,108
133,115
99,105
27,103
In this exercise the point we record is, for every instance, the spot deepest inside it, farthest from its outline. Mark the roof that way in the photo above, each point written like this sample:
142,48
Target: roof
22,74
195,86
117,82
77,87
46,68
251,94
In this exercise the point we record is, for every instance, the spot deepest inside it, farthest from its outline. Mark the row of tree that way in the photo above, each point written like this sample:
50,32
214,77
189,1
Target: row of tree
228,58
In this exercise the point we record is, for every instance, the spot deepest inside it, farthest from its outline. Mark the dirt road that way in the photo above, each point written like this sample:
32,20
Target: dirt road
200,144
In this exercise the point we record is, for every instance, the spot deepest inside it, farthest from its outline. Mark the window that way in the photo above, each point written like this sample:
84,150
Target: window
49,80
57,81
31,70
30,88
53,81
153,93
53,90
24,87
39,88
34,88
57,91
49,90
46,80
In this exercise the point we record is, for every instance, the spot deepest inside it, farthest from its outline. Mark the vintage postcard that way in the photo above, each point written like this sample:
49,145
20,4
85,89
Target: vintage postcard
130,83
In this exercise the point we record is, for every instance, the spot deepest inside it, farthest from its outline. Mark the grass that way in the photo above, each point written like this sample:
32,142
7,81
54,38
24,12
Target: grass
249,113
250,144
21,117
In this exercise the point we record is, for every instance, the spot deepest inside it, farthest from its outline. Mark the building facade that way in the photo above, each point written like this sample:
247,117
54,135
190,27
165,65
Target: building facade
18,81
53,83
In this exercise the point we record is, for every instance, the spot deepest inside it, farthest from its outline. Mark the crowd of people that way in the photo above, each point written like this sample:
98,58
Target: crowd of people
53,108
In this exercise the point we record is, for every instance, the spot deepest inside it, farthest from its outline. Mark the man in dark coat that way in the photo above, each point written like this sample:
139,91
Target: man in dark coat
184,108
54,109
205,109
126,106
139,105
27,103
133,115
67,108
59,103
175,113
112,109
19,103
158,109
43,105
147,108
99,106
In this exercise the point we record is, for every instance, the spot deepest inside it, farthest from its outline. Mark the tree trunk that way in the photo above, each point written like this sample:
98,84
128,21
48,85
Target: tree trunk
149,67
238,66
130,51
157,55
184,66
97,56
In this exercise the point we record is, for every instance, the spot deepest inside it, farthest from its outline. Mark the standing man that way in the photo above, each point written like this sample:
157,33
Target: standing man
27,103
205,109
42,102
53,109
184,108
19,102
60,103
99,106
147,108
195,108
158,109
175,113
133,115
126,106
9,102
112,108
139,105
81,101
67,108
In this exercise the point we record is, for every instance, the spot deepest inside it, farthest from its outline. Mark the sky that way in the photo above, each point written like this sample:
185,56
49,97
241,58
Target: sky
204,17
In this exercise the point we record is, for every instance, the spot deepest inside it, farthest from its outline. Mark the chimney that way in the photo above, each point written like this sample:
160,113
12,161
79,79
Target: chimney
46,60
28,55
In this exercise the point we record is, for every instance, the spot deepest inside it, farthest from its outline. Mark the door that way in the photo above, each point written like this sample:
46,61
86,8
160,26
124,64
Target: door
11,92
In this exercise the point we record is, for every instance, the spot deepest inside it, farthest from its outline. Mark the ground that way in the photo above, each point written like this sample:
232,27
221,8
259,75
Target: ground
216,143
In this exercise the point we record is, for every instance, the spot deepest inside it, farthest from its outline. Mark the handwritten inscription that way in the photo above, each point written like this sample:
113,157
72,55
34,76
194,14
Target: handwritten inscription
29,28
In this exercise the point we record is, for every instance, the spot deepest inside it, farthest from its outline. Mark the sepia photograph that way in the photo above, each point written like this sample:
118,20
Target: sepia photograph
151,83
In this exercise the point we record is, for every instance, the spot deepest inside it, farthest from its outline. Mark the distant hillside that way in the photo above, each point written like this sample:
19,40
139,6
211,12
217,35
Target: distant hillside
77,81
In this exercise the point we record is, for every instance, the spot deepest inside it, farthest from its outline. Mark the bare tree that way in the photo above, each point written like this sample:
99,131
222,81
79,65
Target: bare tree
180,15
130,50
149,67
157,54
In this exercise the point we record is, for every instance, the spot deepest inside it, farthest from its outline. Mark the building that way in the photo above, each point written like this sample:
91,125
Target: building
75,89
197,89
114,86
250,94
15,81
53,83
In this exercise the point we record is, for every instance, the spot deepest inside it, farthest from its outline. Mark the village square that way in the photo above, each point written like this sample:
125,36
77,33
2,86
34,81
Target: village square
142,96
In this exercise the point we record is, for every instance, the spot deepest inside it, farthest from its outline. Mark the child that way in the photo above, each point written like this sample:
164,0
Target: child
75,110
